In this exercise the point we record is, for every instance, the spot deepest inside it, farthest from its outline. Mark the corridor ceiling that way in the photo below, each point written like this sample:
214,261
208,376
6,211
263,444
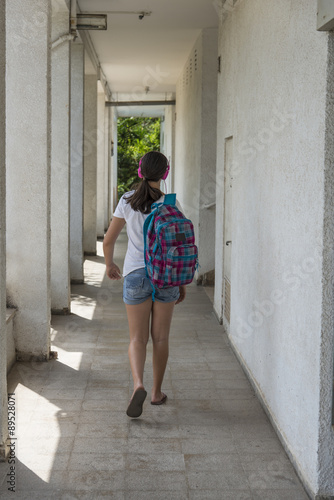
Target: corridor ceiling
135,54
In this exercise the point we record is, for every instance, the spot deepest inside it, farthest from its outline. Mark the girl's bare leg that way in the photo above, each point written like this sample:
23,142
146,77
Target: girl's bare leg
161,320
138,319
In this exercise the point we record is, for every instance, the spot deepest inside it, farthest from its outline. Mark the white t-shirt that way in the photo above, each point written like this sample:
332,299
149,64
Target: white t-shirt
134,258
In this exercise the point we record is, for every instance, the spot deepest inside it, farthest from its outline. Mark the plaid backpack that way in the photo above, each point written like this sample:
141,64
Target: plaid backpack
171,256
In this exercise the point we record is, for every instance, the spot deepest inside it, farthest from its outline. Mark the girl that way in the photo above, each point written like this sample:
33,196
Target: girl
133,209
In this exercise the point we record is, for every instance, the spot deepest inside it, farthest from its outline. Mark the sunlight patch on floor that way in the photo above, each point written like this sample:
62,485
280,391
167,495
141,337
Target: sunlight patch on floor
69,358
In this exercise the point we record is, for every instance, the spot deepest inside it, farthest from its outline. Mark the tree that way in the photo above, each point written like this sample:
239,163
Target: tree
136,136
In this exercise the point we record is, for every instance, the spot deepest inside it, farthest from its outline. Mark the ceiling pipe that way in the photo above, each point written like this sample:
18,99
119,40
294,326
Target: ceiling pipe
140,103
73,35
62,39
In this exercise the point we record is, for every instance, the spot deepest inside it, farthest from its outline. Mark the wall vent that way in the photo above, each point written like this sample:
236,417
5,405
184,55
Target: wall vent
227,299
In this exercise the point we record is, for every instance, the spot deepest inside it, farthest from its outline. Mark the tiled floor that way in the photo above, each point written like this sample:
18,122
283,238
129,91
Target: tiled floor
211,441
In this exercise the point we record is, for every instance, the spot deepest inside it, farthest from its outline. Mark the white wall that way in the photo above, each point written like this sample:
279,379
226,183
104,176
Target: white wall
195,142
3,349
326,431
272,100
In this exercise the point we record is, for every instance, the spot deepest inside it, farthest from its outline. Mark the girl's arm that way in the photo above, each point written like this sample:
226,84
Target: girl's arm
182,289
116,226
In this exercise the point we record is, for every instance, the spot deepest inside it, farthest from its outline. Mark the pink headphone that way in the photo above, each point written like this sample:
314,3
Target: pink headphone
164,176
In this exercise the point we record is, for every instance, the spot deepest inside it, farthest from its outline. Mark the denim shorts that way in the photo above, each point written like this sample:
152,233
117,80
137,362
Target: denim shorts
137,288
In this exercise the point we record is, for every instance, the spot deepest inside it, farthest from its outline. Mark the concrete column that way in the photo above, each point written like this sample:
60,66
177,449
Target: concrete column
113,177
77,132
90,164
3,338
168,131
101,166
107,173
60,164
207,185
28,150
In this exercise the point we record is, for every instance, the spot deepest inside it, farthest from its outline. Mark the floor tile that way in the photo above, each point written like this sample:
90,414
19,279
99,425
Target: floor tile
157,494
212,462
280,494
148,481
217,495
224,479
159,462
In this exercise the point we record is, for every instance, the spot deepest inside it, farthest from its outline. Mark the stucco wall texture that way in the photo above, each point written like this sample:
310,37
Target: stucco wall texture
114,196
107,170
168,139
28,173
90,164
101,167
3,350
76,171
195,142
60,165
272,100
326,431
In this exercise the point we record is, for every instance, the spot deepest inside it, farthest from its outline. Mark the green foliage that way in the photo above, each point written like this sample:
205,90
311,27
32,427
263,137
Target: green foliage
136,136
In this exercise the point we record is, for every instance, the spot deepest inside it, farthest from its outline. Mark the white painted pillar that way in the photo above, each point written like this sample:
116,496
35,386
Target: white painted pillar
101,167
77,133
60,163
107,160
169,143
90,164
3,338
114,161
207,181
28,150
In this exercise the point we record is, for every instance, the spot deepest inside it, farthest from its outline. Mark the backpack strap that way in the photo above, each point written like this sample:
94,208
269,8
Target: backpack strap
154,206
145,229
153,291
170,199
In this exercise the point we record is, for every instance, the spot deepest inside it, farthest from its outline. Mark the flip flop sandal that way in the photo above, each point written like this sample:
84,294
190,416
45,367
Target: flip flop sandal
135,408
161,402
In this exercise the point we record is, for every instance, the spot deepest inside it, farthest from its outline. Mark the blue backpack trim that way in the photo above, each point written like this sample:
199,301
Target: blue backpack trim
170,199
146,224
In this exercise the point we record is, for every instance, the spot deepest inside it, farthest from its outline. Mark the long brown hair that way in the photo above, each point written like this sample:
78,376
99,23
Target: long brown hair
153,166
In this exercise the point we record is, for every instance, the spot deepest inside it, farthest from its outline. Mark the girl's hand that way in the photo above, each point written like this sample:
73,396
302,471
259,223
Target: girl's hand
182,289
113,272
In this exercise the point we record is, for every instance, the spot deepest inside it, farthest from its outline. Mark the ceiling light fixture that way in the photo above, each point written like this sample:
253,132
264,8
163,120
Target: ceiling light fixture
140,13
